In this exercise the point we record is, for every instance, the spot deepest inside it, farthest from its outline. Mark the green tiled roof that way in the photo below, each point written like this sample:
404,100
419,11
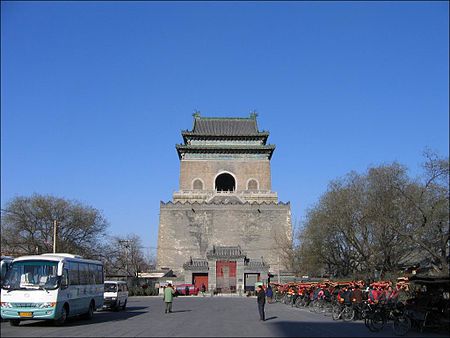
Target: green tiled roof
225,126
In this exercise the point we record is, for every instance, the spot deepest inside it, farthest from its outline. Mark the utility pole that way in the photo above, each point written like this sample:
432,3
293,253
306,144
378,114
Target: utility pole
278,268
54,235
126,244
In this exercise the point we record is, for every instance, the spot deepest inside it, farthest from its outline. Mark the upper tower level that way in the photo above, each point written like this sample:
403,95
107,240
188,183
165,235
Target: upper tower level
224,138
225,156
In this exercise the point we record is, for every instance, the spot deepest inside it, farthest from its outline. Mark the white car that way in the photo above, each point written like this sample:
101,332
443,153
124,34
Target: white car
116,295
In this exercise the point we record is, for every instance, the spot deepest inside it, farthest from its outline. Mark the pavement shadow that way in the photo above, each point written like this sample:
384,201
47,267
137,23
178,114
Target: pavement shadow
99,317
270,318
337,329
181,311
129,308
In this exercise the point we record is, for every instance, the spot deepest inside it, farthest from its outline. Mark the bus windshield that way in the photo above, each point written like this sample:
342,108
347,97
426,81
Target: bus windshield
32,274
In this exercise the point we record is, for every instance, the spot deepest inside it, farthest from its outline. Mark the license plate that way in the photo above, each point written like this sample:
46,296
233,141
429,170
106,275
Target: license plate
26,314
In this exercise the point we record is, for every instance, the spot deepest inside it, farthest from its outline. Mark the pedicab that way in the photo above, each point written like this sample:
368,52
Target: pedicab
428,309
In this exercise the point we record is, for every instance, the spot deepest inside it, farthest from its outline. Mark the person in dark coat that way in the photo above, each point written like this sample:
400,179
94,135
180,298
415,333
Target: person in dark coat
346,296
261,299
203,289
269,294
357,295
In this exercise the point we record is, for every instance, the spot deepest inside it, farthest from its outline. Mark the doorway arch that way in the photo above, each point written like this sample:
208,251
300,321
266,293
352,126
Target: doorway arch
225,182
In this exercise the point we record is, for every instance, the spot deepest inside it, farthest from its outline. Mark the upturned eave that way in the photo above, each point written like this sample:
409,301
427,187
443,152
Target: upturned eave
189,135
231,149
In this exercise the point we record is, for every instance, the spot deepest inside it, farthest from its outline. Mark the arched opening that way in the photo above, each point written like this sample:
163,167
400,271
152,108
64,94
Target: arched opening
198,185
252,185
225,182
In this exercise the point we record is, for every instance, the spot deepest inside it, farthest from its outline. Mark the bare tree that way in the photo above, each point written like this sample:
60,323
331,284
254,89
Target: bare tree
427,221
27,226
124,256
375,222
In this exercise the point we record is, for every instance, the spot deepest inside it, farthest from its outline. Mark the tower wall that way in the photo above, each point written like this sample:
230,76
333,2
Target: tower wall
190,229
242,170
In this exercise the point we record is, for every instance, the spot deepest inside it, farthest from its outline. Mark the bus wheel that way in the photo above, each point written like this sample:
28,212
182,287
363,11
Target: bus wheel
62,317
90,314
14,322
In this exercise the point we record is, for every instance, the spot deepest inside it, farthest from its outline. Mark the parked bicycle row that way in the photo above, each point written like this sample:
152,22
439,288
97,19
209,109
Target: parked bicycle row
416,303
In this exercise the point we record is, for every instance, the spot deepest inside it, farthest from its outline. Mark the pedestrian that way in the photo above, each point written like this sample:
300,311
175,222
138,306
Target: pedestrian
203,289
269,294
186,291
373,295
345,295
261,299
356,295
168,297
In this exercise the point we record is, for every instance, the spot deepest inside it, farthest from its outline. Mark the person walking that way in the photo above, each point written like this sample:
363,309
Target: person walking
168,297
269,294
261,299
203,289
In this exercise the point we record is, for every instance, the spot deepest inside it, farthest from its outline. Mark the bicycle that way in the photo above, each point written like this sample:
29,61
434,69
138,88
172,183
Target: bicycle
343,311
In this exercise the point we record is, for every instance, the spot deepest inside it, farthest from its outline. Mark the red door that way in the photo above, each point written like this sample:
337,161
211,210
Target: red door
200,278
226,276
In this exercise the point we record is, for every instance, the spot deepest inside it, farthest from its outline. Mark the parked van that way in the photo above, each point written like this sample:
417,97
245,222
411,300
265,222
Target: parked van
116,295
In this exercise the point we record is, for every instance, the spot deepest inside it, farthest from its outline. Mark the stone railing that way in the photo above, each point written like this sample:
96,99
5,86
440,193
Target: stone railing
247,195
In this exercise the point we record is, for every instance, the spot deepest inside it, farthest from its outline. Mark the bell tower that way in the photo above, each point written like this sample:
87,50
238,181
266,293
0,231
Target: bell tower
224,208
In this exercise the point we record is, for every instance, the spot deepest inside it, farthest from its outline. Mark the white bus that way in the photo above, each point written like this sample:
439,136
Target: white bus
51,286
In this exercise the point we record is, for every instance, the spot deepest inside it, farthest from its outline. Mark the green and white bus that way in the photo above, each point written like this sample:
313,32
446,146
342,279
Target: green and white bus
52,287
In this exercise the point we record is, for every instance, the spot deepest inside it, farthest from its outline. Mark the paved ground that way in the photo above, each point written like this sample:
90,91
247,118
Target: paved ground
198,316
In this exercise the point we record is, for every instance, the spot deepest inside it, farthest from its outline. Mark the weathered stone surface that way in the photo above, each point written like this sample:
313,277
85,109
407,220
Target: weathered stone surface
189,230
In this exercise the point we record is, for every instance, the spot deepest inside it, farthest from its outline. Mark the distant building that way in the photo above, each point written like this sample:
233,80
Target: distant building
225,227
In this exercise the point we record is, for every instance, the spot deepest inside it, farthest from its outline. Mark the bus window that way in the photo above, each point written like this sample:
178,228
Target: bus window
74,274
100,274
65,279
84,274
92,274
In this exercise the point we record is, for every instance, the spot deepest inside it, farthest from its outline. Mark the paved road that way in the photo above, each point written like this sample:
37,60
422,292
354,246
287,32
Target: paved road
198,316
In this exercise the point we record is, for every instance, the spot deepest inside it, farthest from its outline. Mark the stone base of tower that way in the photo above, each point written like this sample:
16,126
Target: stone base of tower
191,230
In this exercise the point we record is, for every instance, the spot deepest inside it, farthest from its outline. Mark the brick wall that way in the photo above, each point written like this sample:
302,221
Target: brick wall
207,170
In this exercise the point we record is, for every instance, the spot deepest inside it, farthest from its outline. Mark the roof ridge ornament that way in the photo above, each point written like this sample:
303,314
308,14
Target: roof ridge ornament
196,114
254,114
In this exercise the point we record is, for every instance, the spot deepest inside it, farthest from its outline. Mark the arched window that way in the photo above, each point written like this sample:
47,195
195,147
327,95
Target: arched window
197,185
225,182
252,185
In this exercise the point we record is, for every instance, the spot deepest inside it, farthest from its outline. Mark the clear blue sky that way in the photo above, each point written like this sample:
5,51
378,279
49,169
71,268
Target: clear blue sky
94,94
